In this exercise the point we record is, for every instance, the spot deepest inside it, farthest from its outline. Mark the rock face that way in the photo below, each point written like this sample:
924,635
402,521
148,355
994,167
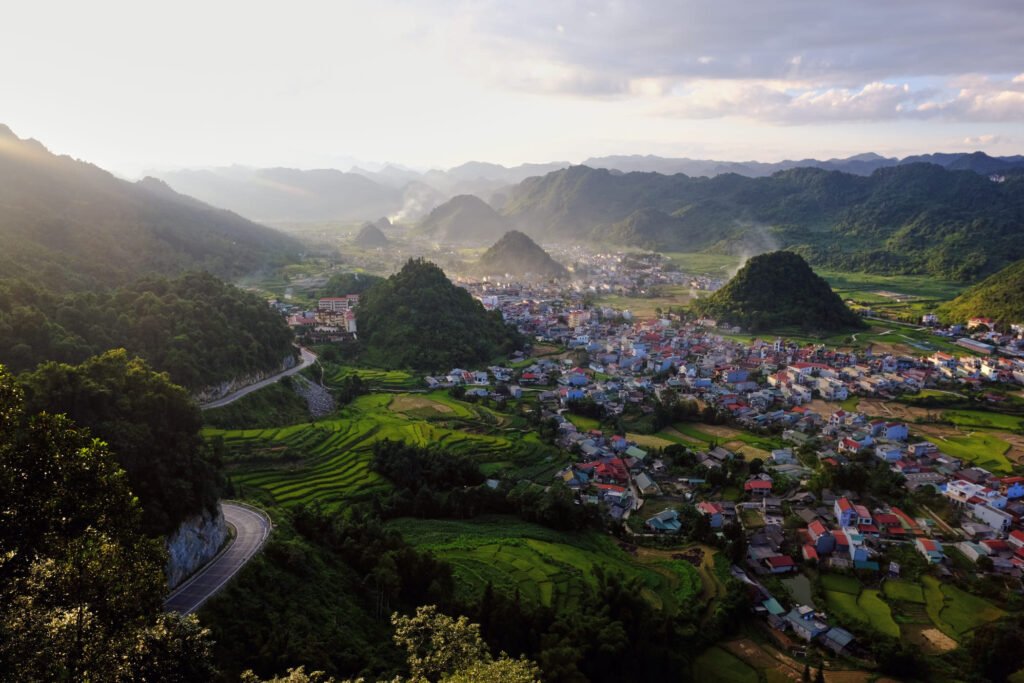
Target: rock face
194,543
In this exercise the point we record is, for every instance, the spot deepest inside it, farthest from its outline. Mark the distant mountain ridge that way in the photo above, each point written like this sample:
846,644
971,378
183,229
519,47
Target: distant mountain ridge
67,223
912,218
517,254
283,195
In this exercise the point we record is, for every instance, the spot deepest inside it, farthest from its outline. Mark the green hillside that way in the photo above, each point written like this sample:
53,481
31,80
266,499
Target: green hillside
910,219
778,290
1000,297
418,319
517,254
68,224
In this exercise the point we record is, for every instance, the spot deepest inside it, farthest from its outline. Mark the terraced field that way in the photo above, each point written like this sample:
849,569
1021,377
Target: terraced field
328,461
383,380
545,566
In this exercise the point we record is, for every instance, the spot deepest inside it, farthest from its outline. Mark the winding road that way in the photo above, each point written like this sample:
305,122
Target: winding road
252,528
307,359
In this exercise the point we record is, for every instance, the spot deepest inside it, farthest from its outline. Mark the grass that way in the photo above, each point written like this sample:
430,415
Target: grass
583,423
981,419
863,286
714,265
954,611
329,460
547,567
906,591
878,613
853,605
981,448
716,664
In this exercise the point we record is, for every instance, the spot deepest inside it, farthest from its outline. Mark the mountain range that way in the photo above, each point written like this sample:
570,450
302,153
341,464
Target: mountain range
912,218
286,195
67,223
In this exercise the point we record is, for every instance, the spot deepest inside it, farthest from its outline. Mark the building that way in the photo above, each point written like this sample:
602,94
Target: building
931,550
338,304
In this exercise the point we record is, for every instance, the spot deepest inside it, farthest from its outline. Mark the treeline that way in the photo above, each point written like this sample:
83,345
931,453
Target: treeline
195,327
433,483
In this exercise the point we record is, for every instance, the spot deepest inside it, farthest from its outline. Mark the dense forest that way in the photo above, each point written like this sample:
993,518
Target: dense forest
349,283
464,219
778,290
418,319
1000,297
66,224
913,218
195,327
81,586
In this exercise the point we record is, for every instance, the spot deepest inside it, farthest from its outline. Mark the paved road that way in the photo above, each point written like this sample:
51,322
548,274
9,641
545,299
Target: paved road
307,358
252,527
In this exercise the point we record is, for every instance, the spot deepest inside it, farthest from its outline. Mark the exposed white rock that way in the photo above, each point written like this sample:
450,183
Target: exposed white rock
194,544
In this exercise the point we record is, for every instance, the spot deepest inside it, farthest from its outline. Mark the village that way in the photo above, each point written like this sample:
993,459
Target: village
769,421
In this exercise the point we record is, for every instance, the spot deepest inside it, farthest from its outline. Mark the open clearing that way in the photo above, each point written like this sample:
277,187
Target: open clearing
404,404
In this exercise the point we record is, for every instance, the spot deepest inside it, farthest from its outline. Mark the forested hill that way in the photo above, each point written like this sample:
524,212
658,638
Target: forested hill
999,296
67,224
516,254
197,328
418,319
778,290
913,218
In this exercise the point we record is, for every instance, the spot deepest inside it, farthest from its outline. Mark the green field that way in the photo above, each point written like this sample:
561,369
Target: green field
853,605
716,664
863,287
328,461
548,567
981,448
955,612
379,380
907,591
980,419
700,263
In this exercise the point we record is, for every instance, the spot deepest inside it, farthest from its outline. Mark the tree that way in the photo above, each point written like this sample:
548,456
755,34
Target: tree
81,588
151,425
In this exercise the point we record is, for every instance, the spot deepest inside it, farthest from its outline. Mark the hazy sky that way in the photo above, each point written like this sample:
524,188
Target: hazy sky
138,84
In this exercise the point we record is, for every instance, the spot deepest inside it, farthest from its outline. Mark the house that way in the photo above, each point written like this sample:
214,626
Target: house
783,456
646,485
846,515
931,550
713,511
837,639
780,564
823,540
666,521
759,486
805,623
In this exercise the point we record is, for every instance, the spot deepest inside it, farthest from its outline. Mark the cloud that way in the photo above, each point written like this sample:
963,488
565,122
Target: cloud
833,45
984,140
979,99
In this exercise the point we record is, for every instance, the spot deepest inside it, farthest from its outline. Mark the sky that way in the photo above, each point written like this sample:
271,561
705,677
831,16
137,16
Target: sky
138,85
